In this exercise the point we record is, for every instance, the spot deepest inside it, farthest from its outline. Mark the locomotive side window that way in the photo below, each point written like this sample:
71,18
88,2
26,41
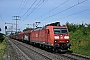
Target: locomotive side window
60,31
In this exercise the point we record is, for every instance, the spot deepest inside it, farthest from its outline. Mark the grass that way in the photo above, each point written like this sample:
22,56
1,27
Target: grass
2,59
2,49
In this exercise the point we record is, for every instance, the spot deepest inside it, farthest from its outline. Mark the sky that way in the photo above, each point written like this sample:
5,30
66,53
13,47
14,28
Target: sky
43,11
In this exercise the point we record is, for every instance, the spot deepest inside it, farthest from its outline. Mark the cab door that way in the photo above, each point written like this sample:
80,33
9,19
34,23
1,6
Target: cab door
47,35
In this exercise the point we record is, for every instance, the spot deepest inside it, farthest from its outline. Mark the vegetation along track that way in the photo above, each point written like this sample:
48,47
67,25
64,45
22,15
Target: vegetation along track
36,53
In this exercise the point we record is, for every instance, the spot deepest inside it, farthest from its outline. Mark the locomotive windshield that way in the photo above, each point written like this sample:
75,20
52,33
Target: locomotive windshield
60,31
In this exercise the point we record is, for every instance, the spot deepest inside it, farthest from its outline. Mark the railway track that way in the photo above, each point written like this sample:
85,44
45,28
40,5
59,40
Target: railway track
17,48
29,53
38,54
74,57
43,55
82,56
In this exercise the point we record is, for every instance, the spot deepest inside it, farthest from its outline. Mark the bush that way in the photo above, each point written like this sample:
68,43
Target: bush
80,38
1,37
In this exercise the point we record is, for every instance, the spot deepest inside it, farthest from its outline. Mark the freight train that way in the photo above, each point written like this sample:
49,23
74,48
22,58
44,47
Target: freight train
52,37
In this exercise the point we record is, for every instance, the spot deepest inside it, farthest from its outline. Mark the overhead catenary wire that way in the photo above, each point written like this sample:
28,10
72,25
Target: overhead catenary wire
41,5
75,13
37,5
68,9
53,9
57,7
25,2
78,1
29,8
65,10
32,9
19,7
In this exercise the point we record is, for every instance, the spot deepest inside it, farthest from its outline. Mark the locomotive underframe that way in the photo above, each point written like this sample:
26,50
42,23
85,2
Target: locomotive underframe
56,47
62,47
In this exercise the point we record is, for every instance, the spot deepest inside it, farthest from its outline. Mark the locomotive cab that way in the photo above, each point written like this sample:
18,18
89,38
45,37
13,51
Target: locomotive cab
59,37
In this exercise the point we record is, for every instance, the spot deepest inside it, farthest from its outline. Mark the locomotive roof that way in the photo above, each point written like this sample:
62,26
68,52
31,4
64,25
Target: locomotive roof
59,26
38,28
54,24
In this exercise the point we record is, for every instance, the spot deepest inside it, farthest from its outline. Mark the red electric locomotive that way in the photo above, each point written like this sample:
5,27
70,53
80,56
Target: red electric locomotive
52,36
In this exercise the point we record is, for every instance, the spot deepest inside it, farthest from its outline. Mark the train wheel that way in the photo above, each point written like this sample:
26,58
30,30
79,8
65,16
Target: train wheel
46,47
54,50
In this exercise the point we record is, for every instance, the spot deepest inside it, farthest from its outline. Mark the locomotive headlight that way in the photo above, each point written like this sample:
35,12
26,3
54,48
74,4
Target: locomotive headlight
60,35
56,37
56,41
66,37
67,41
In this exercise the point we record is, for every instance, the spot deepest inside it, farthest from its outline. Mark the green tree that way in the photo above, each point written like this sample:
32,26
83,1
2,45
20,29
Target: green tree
27,29
72,27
